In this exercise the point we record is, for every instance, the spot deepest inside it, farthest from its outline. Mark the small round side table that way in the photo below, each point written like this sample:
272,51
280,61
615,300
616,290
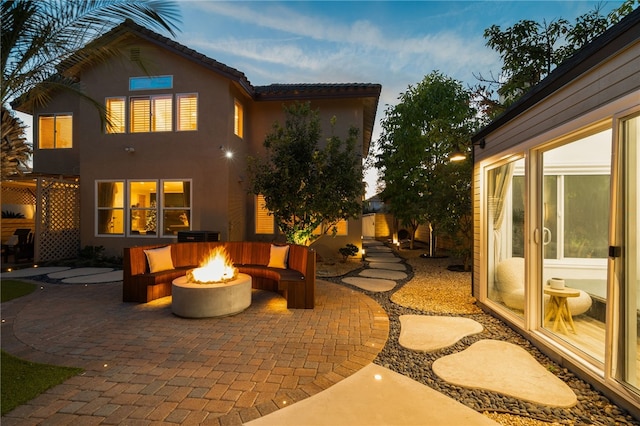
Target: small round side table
559,309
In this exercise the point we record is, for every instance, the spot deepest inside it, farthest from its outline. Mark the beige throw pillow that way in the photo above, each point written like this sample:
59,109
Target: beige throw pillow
278,257
159,259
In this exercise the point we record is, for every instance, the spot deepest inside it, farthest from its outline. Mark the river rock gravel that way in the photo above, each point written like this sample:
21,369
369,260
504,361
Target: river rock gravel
432,289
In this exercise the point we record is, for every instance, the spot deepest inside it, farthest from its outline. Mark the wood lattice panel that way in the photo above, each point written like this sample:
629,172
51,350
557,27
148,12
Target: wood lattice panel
59,219
18,195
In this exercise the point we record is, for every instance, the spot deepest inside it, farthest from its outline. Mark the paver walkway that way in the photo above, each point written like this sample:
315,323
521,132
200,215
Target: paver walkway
143,364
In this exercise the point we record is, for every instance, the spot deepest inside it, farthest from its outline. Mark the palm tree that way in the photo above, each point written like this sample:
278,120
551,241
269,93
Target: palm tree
15,150
40,35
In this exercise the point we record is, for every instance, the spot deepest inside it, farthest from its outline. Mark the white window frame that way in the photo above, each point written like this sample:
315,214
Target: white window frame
238,119
127,202
178,108
116,129
151,99
55,116
98,209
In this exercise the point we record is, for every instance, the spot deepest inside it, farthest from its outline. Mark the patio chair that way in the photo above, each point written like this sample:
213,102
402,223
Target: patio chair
510,285
21,247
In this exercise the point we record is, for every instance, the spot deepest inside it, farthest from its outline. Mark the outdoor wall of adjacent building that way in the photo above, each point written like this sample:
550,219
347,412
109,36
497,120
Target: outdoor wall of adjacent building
573,103
584,105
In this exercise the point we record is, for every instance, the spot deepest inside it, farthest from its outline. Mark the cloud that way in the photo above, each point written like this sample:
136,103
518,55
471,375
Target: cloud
317,47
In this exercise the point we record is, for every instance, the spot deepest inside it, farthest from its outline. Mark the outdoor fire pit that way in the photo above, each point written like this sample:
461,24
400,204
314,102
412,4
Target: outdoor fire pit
213,290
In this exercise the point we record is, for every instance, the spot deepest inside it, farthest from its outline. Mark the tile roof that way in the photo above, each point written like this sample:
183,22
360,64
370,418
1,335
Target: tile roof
269,92
369,92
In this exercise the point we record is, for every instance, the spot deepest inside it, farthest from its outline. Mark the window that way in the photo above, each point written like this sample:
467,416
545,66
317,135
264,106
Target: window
576,194
110,202
150,83
264,219
155,207
115,115
151,114
55,131
143,213
176,207
238,121
187,112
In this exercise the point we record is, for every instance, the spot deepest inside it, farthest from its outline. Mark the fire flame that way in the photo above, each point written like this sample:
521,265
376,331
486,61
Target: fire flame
216,268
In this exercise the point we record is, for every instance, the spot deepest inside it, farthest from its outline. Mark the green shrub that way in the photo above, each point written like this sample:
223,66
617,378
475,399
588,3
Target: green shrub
348,250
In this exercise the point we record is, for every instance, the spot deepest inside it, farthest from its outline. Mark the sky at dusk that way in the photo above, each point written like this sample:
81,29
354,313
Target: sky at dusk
392,43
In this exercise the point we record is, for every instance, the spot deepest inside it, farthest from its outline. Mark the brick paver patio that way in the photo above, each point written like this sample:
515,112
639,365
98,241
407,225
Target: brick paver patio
145,365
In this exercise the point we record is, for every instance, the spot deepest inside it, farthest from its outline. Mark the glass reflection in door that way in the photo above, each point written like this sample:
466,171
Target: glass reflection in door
505,206
574,236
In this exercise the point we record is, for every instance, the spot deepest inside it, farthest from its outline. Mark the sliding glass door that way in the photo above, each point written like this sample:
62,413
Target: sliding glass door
505,230
625,253
575,199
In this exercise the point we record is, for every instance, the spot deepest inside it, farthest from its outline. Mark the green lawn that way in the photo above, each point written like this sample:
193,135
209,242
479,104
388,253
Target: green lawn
21,380
11,289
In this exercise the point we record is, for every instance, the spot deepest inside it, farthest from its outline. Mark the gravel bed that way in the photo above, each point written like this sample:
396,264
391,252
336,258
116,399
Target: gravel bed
431,289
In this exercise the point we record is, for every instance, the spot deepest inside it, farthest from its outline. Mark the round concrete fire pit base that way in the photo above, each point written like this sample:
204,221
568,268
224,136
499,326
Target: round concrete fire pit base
190,300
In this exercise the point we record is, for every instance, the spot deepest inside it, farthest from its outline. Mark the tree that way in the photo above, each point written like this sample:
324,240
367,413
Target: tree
451,195
530,51
40,35
15,150
432,120
305,186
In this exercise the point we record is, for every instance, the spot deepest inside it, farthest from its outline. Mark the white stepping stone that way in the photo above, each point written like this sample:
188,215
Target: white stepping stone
430,333
107,277
507,369
33,272
371,284
77,272
383,273
382,258
388,265
381,253
375,395
380,249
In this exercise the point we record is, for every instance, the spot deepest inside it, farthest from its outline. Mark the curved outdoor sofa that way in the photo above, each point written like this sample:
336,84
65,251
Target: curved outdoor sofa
295,279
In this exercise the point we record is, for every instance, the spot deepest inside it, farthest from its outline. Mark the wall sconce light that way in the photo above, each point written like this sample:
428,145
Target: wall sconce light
227,152
458,155
129,149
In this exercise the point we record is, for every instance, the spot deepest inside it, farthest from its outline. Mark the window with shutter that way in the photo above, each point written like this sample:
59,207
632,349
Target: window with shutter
238,121
116,115
264,219
187,112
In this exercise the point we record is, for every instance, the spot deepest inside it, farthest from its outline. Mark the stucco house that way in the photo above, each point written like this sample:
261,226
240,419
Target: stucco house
173,157
557,214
